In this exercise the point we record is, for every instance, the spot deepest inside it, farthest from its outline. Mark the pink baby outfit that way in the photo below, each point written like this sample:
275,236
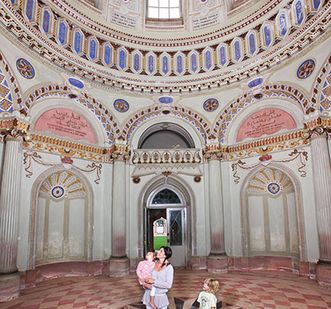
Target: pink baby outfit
144,270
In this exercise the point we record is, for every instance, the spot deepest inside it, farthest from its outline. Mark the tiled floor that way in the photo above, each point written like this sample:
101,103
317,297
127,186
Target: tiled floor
238,290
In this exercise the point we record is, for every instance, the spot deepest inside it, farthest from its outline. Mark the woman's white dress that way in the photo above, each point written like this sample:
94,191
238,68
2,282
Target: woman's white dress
163,282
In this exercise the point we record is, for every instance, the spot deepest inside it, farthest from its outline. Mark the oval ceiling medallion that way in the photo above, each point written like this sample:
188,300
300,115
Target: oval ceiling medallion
166,100
306,68
76,82
121,105
25,68
255,82
210,105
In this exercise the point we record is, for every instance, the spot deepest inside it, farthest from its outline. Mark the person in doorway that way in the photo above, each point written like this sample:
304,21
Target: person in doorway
144,271
207,297
162,279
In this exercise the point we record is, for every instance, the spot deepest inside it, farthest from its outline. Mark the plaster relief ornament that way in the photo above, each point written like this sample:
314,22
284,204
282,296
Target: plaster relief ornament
306,68
210,105
121,105
273,188
25,68
57,192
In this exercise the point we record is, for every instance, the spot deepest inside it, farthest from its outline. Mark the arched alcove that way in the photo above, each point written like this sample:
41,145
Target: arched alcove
271,215
61,218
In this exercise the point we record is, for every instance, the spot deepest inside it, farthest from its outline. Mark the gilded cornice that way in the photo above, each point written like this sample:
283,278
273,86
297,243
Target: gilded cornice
261,147
320,126
14,126
258,147
65,148
120,152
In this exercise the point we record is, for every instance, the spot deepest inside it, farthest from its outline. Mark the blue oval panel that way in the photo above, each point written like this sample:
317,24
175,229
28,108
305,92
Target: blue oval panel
166,100
76,83
255,82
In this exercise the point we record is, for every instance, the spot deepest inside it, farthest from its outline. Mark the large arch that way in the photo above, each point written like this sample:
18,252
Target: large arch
195,120
103,115
231,111
36,187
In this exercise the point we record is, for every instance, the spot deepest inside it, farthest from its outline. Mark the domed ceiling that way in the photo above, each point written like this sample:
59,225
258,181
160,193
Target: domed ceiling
210,43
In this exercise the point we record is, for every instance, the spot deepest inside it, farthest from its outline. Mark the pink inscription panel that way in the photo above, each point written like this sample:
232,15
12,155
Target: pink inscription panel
65,122
265,122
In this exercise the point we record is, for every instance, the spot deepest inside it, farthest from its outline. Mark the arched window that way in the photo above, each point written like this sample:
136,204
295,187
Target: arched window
165,135
166,196
164,9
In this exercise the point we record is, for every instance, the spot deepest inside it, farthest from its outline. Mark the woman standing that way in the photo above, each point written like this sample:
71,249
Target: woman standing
162,278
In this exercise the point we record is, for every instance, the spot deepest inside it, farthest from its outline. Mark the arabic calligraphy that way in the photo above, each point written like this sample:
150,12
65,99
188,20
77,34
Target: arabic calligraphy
65,122
265,122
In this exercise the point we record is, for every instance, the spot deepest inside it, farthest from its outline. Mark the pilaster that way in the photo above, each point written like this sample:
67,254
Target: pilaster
119,263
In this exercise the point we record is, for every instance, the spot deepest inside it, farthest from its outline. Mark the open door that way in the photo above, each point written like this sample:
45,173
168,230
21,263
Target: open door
174,218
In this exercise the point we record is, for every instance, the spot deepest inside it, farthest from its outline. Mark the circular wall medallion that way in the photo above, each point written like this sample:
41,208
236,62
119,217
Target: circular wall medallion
57,192
210,105
76,83
306,68
25,68
197,178
121,105
136,179
273,188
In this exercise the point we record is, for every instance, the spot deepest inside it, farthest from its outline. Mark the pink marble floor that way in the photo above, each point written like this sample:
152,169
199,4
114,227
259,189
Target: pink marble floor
238,290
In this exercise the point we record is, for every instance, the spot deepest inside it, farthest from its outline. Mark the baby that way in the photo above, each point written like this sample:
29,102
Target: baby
144,271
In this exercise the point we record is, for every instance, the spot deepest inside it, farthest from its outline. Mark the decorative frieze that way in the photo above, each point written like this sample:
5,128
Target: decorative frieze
166,170
301,155
29,157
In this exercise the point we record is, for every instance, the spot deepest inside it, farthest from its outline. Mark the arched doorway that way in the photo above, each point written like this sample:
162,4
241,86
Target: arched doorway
269,214
166,222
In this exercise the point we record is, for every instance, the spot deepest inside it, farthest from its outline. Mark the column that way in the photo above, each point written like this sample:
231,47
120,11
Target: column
119,263
9,211
217,260
322,185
